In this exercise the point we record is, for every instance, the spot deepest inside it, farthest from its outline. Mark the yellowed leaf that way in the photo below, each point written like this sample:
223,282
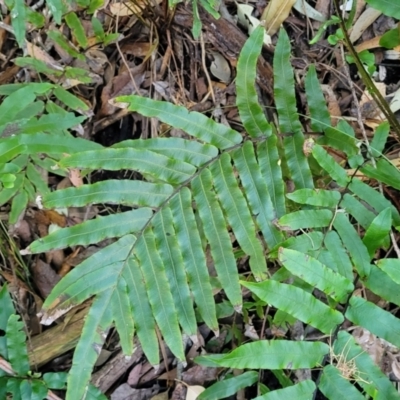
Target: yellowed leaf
275,13
193,392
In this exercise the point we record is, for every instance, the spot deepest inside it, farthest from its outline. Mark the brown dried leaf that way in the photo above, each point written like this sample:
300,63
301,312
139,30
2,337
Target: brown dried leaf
275,13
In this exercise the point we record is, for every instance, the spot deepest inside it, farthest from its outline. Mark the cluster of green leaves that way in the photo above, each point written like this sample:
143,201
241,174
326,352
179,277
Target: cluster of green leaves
33,135
194,195
18,380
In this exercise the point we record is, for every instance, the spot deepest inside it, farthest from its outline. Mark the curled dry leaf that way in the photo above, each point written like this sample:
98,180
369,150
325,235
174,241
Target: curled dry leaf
365,20
304,8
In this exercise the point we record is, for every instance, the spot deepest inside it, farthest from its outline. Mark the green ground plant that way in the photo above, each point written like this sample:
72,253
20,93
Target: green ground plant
16,378
194,196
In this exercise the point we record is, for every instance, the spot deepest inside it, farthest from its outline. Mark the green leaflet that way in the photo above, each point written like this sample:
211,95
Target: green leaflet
271,354
269,161
71,101
357,210
356,248
378,232
238,214
298,303
375,319
16,348
326,161
94,231
133,193
380,387
319,114
289,123
384,172
306,243
390,266
215,230
6,310
382,284
250,111
339,139
374,198
159,293
379,140
229,387
95,275
390,8
304,219
18,19
302,391
171,255
77,29
193,256
193,123
316,274
141,310
122,315
189,151
256,192
42,143
18,205
141,160
16,102
336,249
52,123
333,385
315,197
88,349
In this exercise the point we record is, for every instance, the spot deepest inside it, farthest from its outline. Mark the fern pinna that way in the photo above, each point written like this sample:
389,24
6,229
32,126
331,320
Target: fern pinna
195,196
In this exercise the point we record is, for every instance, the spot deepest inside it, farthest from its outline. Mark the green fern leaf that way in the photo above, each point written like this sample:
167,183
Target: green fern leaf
298,303
269,161
319,114
256,192
18,205
238,214
339,139
16,348
193,123
304,219
193,256
143,161
378,321
315,197
336,249
382,284
189,151
228,387
377,233
302,391
143,319
371,196
250,111
42,143
171,255
289,123
271,354
333,385
94,333
357,210
383,171
390,266
316,274
133,193
159,293
122,315
356,248
96,274
327,162
94,231
214,227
